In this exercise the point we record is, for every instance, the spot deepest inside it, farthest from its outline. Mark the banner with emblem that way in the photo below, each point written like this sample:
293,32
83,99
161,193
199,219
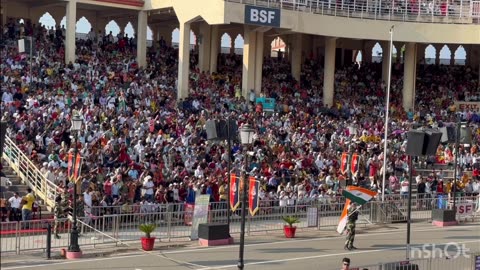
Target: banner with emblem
253,198
234,192
78,167
355,164
344,163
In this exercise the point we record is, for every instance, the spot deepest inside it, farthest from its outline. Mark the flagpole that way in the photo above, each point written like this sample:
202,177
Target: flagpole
387,109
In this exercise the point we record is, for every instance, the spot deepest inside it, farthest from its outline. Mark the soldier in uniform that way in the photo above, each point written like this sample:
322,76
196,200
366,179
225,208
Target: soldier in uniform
352,219
59,213
80,211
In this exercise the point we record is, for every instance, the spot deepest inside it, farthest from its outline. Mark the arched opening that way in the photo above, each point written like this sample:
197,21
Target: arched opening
83,26
394,54
193,38
445,55
430,55
226,42
63,22
460,56
149,33
176,38
278,47
112,27
359,57
377,53
238,44
47,21
129,31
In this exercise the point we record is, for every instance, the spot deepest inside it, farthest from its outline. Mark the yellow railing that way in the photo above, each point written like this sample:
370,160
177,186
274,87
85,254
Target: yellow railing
30,175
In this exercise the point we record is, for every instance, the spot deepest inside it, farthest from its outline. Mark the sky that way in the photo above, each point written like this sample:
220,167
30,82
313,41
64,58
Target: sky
83,26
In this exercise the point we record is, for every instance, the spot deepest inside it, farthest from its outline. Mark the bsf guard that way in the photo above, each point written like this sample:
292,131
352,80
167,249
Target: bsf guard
59,213
352,219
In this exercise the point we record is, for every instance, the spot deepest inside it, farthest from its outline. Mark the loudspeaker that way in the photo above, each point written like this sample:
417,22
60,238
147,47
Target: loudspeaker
213,231
3,133
211,128
465,135
443,215
451,134
432,139
415,141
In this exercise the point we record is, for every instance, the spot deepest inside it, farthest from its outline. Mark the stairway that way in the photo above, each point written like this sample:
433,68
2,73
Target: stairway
15,184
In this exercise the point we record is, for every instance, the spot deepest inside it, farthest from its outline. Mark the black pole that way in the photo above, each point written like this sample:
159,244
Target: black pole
454,188
240,264
229,164
409,213
74,247
49,241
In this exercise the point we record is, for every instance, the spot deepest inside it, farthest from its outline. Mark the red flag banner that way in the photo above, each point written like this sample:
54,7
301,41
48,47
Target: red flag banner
70,165
78,167
344,163
234,192
253,198
355,164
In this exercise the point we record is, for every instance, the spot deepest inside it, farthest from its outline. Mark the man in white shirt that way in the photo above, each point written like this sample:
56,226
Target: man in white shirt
15,203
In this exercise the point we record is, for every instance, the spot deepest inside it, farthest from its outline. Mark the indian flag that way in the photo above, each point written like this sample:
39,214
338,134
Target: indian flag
353,194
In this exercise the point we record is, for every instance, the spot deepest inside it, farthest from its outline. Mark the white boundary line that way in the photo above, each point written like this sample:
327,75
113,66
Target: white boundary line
137,254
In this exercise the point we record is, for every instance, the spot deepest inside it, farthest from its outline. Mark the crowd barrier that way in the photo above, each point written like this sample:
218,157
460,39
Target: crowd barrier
174,222
434,11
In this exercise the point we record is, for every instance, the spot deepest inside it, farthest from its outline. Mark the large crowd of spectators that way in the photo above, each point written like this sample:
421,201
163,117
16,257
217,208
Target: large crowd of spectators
141,146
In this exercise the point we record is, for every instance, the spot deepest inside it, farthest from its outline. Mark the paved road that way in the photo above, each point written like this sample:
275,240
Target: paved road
308,251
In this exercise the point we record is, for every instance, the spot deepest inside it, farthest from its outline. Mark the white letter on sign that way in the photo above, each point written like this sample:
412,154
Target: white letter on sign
271,16
253,15
263,16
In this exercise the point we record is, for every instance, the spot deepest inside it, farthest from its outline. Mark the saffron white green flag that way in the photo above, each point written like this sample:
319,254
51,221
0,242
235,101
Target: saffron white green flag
353,194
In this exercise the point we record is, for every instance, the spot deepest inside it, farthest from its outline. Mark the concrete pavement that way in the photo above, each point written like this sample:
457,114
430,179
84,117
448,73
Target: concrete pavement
311,250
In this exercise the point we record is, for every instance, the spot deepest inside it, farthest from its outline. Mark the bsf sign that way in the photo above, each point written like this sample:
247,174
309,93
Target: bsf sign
465,209
262,16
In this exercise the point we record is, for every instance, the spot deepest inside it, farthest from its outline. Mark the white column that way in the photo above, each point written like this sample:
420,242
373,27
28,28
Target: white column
409,74
385,55
214,47
296,56
183,61
142,39
329,72
248,75
259,63
205,47
71,21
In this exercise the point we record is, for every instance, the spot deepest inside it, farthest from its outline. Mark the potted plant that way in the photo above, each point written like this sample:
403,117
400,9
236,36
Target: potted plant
148,241
289,229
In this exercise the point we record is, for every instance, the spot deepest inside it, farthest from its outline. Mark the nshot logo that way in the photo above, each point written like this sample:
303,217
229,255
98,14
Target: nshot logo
450,250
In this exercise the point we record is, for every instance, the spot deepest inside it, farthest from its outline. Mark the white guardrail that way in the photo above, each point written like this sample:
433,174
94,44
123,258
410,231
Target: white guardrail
432,11
28,172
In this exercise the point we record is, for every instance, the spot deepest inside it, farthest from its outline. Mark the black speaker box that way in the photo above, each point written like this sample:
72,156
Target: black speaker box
432,140
211,129
443,215
3,133
451,134
213,231
415,141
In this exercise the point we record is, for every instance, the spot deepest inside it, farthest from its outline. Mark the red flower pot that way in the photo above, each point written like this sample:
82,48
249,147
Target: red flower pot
289,231
147,243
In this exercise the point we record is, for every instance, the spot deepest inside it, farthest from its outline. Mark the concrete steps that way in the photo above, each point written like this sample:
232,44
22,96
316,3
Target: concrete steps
16,185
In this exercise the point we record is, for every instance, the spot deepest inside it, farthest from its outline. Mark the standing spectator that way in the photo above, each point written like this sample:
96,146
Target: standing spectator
27,208
15,204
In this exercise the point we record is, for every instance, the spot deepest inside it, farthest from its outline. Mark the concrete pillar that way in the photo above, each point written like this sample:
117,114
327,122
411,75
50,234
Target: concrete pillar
155,37
409,75
367,54
385,62
142,39
183,61
452,58
329,71
248,75
259,63
421,52
296,56
232,46
438,48
71,21
214,48
205,47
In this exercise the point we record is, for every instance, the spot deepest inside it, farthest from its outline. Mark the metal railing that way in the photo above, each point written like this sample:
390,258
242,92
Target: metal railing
28,172
432,11
174,222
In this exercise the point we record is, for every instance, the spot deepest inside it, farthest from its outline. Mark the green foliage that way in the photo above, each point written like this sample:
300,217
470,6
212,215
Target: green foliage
147,228
290,220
